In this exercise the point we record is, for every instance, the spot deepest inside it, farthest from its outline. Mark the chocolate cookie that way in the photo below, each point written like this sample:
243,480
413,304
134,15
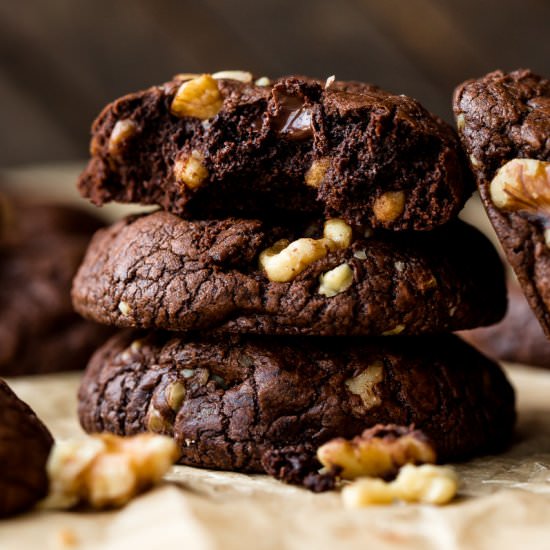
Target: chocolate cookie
504,123
205,147
518,337
228,402
159,271
40,250
25,444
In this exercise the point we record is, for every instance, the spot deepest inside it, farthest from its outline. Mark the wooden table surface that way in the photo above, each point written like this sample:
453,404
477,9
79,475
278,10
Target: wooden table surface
62,60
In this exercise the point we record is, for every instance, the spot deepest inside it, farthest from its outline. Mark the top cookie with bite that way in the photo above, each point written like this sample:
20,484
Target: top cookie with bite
212,146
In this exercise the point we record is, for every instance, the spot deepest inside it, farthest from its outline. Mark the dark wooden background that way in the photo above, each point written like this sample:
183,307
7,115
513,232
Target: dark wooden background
62,60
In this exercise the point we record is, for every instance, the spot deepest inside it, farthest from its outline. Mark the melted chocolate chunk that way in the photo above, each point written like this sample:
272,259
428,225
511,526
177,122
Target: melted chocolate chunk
294,118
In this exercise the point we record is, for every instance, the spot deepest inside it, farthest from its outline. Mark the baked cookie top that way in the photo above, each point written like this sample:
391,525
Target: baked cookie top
248,276
230,401
223,145
503,116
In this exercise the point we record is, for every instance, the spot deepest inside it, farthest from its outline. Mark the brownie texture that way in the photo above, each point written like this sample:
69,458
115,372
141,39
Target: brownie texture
500,117
159,271
231,402
256,153
518,337
41,247
25,445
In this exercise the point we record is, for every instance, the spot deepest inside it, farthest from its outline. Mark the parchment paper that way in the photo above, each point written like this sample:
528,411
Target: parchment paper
504,500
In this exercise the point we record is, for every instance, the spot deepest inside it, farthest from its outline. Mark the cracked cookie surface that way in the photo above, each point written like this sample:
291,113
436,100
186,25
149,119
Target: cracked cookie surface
231,403
502,117
348,150
159,271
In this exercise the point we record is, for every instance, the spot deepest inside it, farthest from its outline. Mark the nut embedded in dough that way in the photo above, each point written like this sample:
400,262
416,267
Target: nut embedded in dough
389,206
191,171
338,233
285,260
316,173
336,280
364,383
199,97
122,131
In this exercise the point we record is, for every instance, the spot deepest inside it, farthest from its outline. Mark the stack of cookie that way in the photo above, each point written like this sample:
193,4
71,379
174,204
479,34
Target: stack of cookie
298,218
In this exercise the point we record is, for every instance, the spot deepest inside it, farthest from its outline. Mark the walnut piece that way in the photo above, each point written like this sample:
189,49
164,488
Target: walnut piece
427,484
460,122
316,173
378,452
198,97
389,206
241,76
105,470
338,234
157,423
474,161
364,383
336,280
522,185
329,81
283,261
397,329
175,394
263,81
191,171
122,131
124,308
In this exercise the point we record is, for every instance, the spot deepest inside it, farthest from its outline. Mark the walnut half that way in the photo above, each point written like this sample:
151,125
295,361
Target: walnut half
199,97
105,470
522,185
379,451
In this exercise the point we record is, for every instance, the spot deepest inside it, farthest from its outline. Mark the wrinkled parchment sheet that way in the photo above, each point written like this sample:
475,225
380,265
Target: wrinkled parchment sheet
504,500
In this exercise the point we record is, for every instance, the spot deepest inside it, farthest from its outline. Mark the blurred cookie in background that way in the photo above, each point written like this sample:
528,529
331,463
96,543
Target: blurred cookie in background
518,338
41,246
25,444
